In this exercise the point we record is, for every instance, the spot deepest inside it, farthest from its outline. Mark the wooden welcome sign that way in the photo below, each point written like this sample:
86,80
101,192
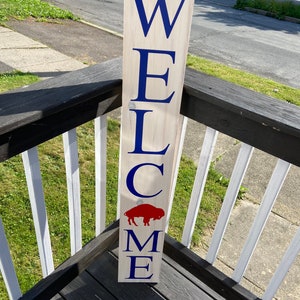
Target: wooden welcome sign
156,34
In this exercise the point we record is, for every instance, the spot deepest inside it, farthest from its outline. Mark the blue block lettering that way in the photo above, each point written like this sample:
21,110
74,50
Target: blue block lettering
143,75
139,134
154,236
161,4
134,266
130,179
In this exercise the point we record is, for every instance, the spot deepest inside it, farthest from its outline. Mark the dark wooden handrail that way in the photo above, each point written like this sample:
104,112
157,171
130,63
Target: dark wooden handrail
32,115
266,123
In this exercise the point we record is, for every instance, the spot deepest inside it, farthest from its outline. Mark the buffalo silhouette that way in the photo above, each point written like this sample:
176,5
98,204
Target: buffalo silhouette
146,211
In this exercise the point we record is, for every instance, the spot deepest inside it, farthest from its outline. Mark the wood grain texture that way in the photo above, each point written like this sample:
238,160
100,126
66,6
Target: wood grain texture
215,279
266,123
44,110
37,113
57,297
85,287
175,283
153,74
184,276
105,270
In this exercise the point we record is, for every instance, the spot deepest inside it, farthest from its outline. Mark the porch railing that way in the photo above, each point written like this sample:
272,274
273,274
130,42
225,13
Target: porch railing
37,113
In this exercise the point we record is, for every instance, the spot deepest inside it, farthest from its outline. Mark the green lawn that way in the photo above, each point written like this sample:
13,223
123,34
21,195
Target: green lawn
12,80
250,81
22,9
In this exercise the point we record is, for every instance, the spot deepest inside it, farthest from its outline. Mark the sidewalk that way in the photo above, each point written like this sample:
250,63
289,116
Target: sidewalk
70,46
19,52
74,45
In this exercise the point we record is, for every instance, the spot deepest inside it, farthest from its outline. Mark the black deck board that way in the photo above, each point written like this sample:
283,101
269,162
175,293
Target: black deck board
85,287
172,285
92,273
57,297
200,284
105,270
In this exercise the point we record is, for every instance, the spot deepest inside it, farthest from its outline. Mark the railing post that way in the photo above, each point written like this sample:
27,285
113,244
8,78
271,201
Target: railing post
73,183
7,268
284,266
236,179
36,195
272,191
199,184
100,172
183,124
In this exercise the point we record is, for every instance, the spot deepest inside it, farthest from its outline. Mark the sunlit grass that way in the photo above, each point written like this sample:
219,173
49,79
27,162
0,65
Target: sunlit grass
40,10
250,81
277,8
13,80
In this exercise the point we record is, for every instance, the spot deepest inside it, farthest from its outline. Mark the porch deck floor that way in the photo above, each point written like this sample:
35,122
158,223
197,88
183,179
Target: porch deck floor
92,273
99,281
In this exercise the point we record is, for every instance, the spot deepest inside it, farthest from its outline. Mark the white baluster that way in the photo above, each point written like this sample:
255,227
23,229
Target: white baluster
199,184
183,120
236,179
285,264
7,267
100,172
272,191
119,176
73,183
36,195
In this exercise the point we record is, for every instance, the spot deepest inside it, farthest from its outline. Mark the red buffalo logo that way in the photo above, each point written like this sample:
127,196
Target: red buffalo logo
145,211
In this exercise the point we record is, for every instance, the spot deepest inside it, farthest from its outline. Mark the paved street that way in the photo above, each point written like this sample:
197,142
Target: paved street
255,43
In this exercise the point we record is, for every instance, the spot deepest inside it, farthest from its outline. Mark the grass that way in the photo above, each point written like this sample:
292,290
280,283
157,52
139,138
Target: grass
12,80
40,10
245,79
276,8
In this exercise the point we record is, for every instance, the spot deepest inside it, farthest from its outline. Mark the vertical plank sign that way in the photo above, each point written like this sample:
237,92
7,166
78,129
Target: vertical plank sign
156,34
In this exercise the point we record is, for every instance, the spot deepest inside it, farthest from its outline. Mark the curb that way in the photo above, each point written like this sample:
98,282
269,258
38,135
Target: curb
272,15
101,28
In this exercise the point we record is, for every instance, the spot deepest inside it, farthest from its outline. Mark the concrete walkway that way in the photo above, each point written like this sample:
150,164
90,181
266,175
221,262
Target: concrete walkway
21,53
73,45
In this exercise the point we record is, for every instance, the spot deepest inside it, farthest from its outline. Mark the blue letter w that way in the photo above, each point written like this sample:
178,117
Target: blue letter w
164,13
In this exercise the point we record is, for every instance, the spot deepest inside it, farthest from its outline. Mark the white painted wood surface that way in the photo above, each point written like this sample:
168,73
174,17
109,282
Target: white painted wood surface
232,191
270,196
100,172
7,267
73,185
155,46
183,125
199,184
37,201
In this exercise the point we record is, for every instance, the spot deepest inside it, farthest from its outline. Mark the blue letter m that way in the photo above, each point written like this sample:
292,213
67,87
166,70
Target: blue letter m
164,13
140,247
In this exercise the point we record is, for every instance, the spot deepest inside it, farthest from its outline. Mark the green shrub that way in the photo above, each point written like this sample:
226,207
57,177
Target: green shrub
276,8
